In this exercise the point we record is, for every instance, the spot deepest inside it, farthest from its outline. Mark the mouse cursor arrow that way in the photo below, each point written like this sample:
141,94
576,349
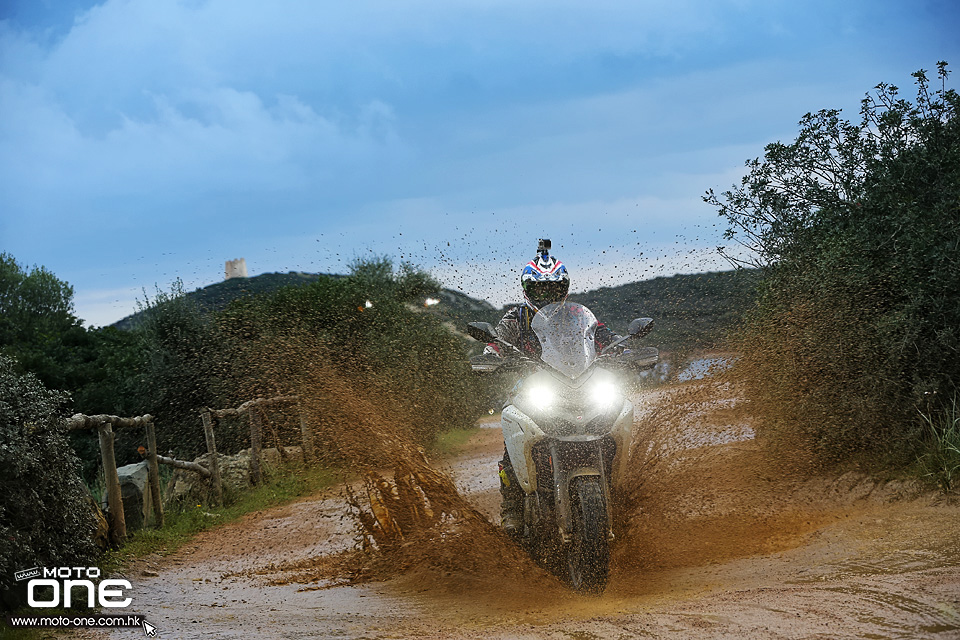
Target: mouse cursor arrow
149,629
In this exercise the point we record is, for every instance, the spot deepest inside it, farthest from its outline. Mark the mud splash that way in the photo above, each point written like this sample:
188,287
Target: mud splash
703,490
410,518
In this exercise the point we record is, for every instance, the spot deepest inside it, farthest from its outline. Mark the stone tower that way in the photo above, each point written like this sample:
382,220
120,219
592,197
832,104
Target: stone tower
235,269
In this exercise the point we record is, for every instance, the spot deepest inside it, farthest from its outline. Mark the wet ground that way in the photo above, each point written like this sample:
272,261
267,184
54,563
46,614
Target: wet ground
720,539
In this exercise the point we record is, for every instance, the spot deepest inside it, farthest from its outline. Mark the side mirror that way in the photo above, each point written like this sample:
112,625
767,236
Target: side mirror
640,327
482,331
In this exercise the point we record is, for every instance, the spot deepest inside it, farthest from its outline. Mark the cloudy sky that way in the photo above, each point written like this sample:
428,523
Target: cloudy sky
147,140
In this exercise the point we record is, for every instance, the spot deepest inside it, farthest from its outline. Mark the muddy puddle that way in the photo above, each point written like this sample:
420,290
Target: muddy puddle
717,538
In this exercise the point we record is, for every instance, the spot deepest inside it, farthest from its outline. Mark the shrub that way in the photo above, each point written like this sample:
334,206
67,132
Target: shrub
856,227
403,360
184,366
44,516
940,463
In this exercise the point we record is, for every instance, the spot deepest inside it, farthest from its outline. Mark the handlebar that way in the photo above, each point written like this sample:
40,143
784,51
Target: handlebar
643,358
488,363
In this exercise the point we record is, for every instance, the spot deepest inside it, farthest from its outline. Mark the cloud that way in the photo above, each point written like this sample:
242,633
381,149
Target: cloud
161,107
208,143
217,128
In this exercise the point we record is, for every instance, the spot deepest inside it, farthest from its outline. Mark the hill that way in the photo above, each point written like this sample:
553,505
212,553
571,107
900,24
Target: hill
691,311
218,295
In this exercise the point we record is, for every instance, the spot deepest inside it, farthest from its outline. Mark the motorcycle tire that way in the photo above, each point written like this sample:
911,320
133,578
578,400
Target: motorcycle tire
588,554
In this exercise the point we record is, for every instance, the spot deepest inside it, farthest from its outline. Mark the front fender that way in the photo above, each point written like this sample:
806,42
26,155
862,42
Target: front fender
622,434
520,434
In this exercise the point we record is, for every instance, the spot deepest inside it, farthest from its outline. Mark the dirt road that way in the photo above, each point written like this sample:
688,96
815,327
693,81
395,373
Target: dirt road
720,540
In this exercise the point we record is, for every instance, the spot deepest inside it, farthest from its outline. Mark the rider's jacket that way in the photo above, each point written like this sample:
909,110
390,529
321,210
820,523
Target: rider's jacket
515,328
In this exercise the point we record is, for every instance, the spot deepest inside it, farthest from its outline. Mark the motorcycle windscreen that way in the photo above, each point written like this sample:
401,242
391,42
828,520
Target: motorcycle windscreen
566,333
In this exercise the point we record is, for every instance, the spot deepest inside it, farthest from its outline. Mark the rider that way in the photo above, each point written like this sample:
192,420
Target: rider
544,280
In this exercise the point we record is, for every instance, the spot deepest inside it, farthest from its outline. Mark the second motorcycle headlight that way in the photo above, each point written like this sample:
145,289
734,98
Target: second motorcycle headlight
604,393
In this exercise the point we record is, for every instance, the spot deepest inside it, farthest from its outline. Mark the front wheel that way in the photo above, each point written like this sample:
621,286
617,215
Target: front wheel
588,555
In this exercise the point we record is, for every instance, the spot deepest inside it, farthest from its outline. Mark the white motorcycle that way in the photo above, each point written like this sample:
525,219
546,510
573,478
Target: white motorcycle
568,428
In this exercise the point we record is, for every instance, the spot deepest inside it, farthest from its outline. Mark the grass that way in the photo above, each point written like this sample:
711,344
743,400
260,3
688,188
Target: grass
941,462
450,443
180,526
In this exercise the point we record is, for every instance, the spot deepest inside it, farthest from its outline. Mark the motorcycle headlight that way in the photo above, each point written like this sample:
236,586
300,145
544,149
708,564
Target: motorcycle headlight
604,394
541,396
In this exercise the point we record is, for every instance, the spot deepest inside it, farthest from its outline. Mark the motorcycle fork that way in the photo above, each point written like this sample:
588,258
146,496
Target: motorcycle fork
532,510
562,477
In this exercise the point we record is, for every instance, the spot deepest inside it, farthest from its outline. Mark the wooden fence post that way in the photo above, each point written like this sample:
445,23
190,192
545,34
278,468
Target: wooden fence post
118,524
212,450
254,445
154,469
306,433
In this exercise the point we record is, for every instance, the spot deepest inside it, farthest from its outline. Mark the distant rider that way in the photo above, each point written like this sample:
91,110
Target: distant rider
544,280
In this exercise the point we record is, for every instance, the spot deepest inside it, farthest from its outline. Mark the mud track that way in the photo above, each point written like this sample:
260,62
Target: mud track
719,539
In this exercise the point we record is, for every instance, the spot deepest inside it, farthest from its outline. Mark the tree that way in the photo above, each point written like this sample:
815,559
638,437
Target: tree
37,324
856,227
99,368
183,364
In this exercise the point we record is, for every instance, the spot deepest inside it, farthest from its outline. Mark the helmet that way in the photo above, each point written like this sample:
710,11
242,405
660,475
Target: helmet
544,279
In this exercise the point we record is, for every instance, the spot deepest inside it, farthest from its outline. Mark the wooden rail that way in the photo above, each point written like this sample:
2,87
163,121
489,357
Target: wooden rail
196,467
254,411
104,424
251,404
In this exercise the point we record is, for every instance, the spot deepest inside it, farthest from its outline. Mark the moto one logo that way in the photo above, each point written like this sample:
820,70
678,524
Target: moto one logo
66,580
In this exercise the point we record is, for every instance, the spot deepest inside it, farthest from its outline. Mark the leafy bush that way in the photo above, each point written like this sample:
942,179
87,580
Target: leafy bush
287,341
405,360
180,356
44,516
98,367
856,227
37,325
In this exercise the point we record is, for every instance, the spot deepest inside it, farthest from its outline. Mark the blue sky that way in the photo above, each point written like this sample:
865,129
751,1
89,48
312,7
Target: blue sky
143,140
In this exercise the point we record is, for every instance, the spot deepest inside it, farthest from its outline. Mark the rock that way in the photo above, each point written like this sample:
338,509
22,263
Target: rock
191,488
136,494
274,458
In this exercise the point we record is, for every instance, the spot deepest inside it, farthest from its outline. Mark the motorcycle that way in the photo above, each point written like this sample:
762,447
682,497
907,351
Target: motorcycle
567,426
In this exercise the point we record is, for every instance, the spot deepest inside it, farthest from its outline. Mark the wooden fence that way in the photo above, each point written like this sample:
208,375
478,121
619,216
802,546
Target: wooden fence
254,410
105,424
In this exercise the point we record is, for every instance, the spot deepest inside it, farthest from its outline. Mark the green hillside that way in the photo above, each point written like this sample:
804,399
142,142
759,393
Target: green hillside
691,311
458,309
218,295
